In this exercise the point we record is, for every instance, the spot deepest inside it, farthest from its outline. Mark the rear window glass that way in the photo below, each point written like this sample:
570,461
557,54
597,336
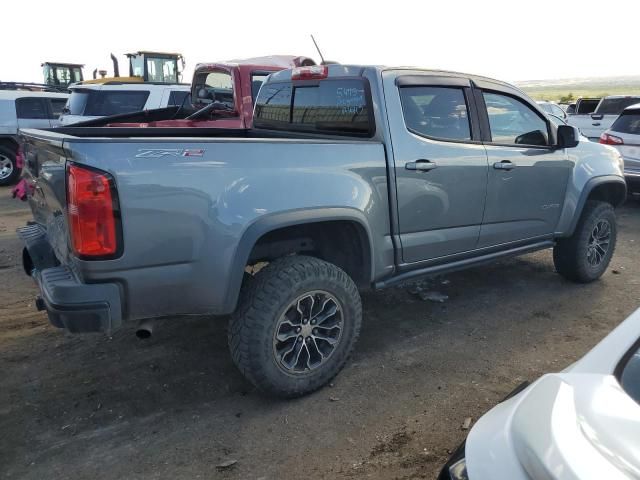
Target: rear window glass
627,123
34,108
615,106
102,103
339,107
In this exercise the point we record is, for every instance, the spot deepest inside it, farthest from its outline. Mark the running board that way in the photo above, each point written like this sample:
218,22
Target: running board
462,264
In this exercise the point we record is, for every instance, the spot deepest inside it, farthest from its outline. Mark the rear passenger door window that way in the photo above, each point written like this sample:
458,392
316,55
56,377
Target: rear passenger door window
436,112
512,122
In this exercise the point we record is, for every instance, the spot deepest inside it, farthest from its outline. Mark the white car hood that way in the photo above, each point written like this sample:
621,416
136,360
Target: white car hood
577,424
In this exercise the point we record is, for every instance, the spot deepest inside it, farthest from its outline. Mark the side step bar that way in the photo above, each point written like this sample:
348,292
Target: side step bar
462,264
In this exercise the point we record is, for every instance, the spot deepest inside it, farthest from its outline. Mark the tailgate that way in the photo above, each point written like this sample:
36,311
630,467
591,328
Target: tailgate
594,128
44,171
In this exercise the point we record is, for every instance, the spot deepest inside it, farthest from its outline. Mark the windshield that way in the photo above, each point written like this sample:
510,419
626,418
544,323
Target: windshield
60,75
163,70
100,103
615,106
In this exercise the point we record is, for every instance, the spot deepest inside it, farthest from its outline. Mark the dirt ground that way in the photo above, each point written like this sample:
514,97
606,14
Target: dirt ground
174,406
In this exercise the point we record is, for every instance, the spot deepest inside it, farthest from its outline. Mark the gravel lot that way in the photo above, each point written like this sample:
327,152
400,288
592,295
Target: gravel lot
174,406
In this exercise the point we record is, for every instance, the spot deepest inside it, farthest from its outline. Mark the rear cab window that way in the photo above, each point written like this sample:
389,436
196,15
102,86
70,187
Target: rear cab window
333,106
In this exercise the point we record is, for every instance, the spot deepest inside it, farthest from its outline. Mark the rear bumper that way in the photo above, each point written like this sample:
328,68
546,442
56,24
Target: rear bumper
69,303
78,307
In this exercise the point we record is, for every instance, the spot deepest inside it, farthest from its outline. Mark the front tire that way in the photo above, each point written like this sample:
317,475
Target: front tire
585,255
295,326
9,171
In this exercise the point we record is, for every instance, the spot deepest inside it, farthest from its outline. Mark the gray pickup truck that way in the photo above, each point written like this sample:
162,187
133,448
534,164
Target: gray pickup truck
353,177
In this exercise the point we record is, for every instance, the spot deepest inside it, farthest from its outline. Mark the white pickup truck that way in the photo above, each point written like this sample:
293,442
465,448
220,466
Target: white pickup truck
609,108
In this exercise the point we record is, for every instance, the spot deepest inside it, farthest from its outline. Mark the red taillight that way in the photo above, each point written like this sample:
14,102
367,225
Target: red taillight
315,72
607,139
91,212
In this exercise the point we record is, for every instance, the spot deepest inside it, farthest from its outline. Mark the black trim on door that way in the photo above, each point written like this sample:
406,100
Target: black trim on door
431,81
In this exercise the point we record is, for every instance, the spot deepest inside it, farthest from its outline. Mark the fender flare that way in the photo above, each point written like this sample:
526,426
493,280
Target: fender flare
586,191
275,221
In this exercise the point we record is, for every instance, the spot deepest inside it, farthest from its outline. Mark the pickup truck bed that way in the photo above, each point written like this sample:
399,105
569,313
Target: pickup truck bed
353,177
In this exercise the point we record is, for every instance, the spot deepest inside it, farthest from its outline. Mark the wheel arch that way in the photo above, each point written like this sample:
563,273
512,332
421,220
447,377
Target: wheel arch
608,188
304,217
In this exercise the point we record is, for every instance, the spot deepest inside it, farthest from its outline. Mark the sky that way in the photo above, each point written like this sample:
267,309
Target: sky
509,40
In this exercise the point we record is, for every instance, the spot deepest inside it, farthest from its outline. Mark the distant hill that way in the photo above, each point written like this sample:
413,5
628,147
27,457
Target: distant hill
581,87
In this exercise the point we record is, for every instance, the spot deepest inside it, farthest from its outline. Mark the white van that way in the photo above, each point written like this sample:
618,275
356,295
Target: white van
24,109
91,101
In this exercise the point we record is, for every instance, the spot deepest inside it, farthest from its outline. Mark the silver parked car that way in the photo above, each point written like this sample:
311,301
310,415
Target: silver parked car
24,109
624,135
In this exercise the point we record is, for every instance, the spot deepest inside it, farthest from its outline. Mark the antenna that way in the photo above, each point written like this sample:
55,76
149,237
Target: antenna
318,48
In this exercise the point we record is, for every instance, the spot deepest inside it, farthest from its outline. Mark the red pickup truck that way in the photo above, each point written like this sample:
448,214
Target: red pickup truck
222,95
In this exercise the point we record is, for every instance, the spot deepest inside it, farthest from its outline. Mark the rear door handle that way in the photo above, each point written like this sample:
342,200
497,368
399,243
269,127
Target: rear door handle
504,165
421,165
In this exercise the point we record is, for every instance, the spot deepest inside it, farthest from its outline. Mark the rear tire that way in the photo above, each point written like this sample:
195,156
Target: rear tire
585,255
9,171
295,326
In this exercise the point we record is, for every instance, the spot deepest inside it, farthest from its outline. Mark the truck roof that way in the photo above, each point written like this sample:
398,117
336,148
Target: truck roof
358,70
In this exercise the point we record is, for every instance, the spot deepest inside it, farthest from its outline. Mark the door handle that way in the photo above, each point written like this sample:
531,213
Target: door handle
504,165
421,165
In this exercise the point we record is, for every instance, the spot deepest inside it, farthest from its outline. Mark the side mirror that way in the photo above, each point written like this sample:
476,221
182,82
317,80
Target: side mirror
596,117
568,136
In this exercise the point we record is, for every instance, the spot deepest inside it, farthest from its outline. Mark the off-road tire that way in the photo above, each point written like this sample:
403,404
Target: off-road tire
570,254
10,154
262,303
